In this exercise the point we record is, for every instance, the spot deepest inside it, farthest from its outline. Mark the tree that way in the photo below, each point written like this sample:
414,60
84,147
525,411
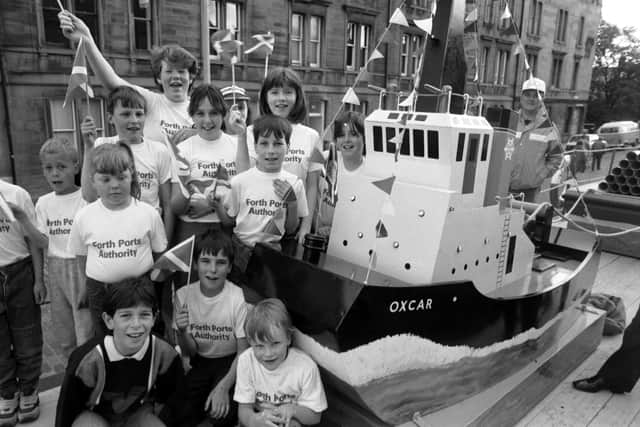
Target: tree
615,82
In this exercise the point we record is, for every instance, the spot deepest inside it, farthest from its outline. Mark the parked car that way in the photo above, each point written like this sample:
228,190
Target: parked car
620,133
590,137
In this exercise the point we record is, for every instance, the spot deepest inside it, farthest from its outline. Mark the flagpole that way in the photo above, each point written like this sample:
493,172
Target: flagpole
204,24
266,65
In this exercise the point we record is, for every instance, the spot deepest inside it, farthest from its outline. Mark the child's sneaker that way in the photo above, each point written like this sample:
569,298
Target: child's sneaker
9,411
29,409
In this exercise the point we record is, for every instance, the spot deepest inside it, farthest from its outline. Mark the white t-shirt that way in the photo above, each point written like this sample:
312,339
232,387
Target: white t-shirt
296,380
260,213
216,322
164,118
55,215
117,243
13,246
301,145
205,158
153,167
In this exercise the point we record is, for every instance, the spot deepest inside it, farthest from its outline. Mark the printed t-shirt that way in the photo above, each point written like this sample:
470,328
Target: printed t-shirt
296,380
301,146
117,243
215,322
164,117
153,167
13,246
55,215
205,159
260,213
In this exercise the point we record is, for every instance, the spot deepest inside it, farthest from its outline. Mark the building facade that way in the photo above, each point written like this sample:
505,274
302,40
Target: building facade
326,41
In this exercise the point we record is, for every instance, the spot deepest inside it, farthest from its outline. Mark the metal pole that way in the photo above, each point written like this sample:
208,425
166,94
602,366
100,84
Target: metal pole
204,36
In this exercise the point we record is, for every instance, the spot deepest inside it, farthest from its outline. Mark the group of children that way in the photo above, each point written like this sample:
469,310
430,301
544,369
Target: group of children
232,188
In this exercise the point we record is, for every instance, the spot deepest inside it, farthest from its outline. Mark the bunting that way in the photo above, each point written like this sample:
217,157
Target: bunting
507,13
398,18
79,79
408,101
350,97
424,24
381,230
386,184
472,16
376,55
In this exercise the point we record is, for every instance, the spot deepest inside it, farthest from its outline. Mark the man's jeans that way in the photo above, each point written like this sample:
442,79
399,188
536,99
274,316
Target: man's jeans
20,329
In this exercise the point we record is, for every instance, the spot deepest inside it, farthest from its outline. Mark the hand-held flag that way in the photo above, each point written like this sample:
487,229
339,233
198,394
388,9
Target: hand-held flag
79,80
177,258
264,44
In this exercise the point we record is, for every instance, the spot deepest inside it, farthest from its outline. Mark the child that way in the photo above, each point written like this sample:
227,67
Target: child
210,318
21,290
276,383
281,94
237,100
266,201
348,133
118,379
55,212
117,236
210,156
126,110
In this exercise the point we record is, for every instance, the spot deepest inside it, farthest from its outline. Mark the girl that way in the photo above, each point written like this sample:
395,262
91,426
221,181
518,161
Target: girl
206,162
117,236
281,94
348,133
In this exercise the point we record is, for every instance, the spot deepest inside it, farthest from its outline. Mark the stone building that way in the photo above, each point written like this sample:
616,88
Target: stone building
325,41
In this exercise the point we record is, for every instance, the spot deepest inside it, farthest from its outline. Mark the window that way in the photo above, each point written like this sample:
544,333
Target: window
556,71
315,36
316,115
484,65
87,10
500,72
357,47
410,54
297,31
580,32
65,122
576,73
460,150
532,59
404,54
416,42
306,27
377,138
434,144
535,17
142,25
561,25
506,23
223,15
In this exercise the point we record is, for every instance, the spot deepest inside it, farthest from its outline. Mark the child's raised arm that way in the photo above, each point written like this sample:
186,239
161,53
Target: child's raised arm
88,131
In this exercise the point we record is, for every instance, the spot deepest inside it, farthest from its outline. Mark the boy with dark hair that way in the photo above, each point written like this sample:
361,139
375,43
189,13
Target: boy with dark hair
118,379
209,317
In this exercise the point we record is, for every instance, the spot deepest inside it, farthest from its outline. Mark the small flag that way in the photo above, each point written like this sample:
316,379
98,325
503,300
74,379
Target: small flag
472,16
507,13
376,55
387,208
526,63
79,79
290,196
510,30
408,102
398,18
350,97
381,230
6,210
424,24
224,43
272,228
397,139
316,156
385,184
264,44
177,258
519,49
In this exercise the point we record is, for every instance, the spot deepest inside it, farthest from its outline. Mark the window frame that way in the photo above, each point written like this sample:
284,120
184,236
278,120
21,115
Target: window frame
557,64
98,32
315,44
152,22
535,18
77,110
297,38
221,16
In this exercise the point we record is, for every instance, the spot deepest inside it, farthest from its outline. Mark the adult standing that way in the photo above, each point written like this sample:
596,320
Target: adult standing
596,154
538,152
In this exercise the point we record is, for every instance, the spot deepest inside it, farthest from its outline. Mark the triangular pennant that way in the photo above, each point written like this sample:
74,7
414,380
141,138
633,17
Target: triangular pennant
350,97
424,24
397,139
177,258
518,50
408,101
472,16
280,214
143,3
79,79
290,195
387,208
316,156
526,63
272,228
381,230
398,18
507,13
385,184
264,44
376,55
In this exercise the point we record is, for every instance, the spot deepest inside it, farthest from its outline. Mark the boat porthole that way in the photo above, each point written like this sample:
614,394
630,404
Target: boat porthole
477,262
453,271
353,198
360,235
421,213
487,259
345,243
396,245
465,266
407,266
486,240
497,256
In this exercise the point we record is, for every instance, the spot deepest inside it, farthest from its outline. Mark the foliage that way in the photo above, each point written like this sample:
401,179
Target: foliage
615,82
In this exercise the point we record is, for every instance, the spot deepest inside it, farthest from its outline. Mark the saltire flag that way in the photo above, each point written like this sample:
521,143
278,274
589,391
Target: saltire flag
177,258
398,18
350,97
224,43
264,44
79,80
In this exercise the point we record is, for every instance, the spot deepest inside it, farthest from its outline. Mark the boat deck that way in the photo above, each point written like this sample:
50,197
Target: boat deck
563,406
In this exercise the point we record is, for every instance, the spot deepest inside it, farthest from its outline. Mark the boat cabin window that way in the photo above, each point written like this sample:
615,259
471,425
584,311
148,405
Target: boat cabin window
460,152
393,116
377,138
434,144
485,148
391,147
418,142
420,117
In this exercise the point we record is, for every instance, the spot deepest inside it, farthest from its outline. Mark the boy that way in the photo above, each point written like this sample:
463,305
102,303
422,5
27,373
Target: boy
266,201
21,290
65,274
118,379
210,317
276,383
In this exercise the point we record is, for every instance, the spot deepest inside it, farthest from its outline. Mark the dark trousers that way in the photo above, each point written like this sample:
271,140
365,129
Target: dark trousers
96,294
20,329
621,371
204,375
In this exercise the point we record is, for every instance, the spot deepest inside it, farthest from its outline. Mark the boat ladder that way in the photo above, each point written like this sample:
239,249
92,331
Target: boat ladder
506,225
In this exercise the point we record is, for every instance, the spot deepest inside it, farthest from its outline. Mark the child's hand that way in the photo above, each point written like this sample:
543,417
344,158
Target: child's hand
182,317
237,124
198,206
286,413
218,402
88,131
39,292
72,27
267,418
181,135
284,190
